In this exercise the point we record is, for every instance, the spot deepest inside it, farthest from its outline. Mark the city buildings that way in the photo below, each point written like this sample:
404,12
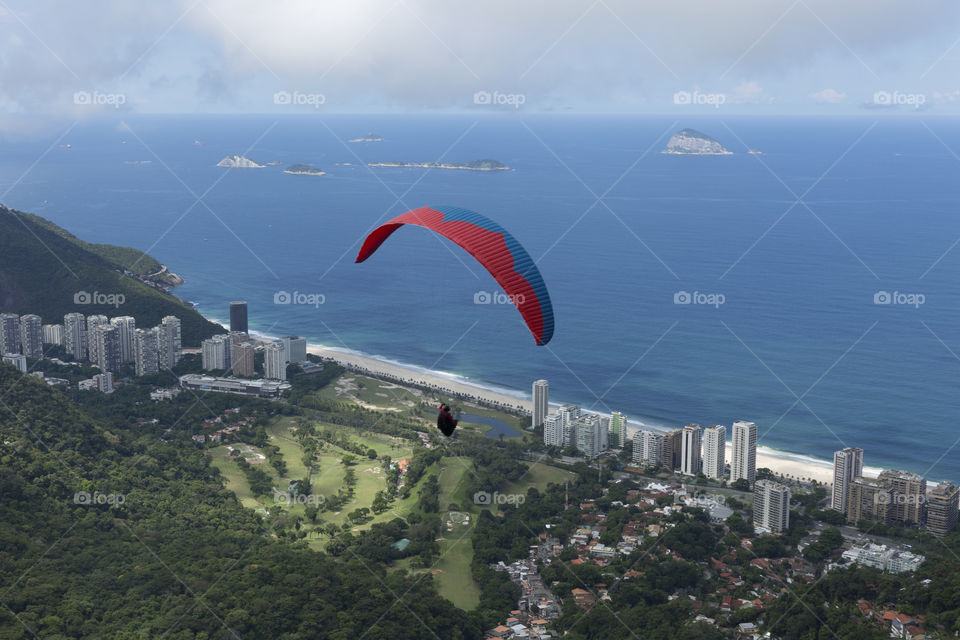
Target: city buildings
880,557
690,462
261,388
31,336
869,499
275,361
126,332
648,448
771,506
672,449
847,465
295,347
568,416
105,344
909,494
18,360
9,333
169,342
93,322
75,335
242,358
553,430
942,503
618,429
104,382
591,435
216,353
53,334
146,351
715,452
744,462
238,316
540,404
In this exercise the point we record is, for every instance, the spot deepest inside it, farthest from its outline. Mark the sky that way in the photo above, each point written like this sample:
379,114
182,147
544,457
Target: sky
773,57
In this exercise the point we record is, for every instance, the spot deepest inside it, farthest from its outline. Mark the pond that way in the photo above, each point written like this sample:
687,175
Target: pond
497,426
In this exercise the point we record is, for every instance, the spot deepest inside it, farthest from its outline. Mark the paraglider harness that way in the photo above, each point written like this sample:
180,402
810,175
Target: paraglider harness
447,422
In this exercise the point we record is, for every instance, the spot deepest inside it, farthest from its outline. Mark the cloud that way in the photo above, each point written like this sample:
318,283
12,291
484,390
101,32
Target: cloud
750,92
831,96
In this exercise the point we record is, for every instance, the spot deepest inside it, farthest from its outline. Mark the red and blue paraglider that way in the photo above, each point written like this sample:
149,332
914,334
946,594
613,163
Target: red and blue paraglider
494,248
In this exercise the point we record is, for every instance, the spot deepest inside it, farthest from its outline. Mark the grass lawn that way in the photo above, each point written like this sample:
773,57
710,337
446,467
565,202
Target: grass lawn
539,476
454,580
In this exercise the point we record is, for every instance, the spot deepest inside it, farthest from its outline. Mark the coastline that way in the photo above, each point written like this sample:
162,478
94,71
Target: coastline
780,462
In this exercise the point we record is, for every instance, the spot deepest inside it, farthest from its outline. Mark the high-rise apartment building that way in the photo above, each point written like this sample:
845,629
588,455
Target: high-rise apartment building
242,358
216,353
105,343
771,506
618,430
146,351
53,334
591,435
126,328
847,465
715,452
9,333
942,503
744,462
690,462
909,493
553,430
672,449
869,499
75,335
275,361
93,322
238,316
31,336
540,404
648,448
168,336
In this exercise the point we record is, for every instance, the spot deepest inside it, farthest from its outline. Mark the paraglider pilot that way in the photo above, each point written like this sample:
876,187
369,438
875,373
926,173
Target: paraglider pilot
446,422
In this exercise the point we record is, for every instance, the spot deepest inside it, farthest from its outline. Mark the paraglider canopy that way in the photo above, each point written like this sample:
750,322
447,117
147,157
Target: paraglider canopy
498,251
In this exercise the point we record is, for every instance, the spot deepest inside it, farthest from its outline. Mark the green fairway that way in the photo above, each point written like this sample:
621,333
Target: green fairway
539,475
454,579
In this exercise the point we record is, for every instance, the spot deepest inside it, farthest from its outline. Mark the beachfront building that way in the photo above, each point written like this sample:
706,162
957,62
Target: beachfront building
869,499
909,493
690,462
242,358
52,334
275,361
553,430
238,317
31,336
771,506
126,331
847,465
216,353
538,413
75,335
9,333
145,351
744,462
617,433
942,503
648,448
672,449
295,348
591,435
169,345
715,452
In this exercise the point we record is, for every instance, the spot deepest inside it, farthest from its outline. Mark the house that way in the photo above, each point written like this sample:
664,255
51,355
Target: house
583,598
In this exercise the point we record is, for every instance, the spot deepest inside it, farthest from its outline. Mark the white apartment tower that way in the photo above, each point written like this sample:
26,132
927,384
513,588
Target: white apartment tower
540,405
847,465
75,335
771,506
715,452
690,453
744,463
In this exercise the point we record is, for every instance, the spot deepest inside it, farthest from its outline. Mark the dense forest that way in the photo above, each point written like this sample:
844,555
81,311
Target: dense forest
107,533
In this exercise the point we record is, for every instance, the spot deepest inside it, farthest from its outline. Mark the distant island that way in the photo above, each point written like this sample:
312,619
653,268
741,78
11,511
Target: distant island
303,170
239,162
693,143
475,165
368,137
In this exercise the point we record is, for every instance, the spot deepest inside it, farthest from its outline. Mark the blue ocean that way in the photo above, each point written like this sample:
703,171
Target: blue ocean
811,288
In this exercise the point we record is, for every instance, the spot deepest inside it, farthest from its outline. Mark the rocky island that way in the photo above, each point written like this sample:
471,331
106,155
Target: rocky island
368,137
693,143
303,170
239,162
475,165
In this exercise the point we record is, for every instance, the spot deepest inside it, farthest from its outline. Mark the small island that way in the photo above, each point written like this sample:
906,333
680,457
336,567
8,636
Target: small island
303,170
239,162
690,142
475,165
368,137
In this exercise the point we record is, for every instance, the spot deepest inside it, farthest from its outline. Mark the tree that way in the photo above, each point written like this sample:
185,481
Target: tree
741,484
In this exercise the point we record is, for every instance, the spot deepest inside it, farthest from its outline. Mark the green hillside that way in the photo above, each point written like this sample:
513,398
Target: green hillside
43,267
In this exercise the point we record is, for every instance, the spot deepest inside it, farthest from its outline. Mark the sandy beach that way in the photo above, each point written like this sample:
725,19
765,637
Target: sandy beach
779,464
